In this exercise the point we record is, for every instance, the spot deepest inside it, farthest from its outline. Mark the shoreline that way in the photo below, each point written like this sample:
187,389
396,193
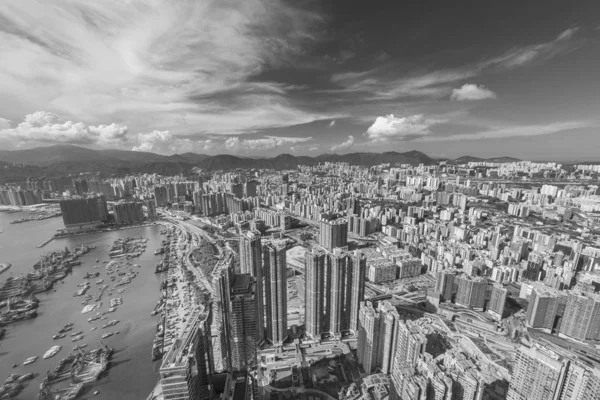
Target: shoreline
67,235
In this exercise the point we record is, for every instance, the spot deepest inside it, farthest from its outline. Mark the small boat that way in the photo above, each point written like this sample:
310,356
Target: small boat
77,338
96,392
76,333
30,360
107,335
52,352
59,336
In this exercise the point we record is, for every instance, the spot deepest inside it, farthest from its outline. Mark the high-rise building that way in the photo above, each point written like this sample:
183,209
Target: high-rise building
337,292
242,322
160,196
582,382
185,371
471,292
357,267
83,214
150,210
251,263
411,343
538,374
333,234
368,337
222,275
251,188
315,291
497,302
127,213
444,284
582,316
275,274
388,339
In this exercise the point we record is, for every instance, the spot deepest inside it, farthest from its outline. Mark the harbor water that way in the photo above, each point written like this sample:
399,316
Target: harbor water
132,374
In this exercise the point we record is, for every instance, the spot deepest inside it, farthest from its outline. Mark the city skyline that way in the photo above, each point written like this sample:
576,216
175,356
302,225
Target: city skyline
260,78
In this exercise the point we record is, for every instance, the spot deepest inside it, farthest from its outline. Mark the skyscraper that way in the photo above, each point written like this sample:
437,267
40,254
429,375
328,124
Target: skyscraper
538,374
315,291
358,270
333,234
582,316
471,292
444,284
497,302
242,323
274,268
222,275
337,291
368,337
388,339
251,263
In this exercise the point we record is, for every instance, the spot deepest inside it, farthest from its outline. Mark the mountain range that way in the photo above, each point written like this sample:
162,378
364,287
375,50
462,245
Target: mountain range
68,159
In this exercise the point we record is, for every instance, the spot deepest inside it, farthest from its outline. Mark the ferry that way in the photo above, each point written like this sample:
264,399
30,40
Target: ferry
88,308
52,352
30,360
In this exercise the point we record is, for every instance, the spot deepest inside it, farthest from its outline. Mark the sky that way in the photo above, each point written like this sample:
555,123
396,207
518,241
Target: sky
305,77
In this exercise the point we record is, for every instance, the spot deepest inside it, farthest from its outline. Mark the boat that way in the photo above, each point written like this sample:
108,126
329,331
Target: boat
99,281
112,309
79,347
52,351
4,267
77,338
58,336
107,335
93,328
88,308
76,333
30,360
94,318
96,392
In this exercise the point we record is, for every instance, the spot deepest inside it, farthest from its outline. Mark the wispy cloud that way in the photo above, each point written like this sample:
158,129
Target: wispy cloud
470,91
344,146
511,131
152,61
383,83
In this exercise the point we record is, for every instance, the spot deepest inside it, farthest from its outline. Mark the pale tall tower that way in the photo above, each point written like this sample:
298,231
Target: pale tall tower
251,263
275,273
538,374
368,337
315,291
222,275
358,269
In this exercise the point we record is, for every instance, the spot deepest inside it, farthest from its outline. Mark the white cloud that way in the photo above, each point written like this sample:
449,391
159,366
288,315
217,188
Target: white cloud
313,148
151,61
164,142
237,145
4,123
46,127
391,127
470,91
344,146
511,131
332,123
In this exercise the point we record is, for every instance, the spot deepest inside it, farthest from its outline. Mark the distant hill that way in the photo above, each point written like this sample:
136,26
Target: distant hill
71,158
68,159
